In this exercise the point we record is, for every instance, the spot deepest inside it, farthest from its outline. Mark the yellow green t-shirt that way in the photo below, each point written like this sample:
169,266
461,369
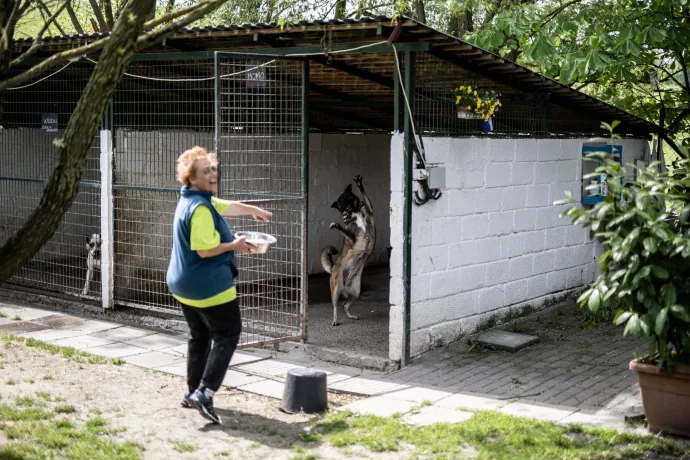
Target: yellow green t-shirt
203,236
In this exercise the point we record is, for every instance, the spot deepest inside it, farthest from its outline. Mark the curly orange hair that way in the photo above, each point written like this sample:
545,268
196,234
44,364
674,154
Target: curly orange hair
187,161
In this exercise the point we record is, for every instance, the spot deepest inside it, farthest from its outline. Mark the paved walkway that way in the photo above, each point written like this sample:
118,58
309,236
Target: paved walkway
552,373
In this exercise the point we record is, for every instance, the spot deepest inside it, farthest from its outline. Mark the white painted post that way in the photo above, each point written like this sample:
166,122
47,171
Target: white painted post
107,217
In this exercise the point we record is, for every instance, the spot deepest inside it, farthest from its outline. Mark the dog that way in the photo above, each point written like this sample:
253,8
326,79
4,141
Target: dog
93,259
359,232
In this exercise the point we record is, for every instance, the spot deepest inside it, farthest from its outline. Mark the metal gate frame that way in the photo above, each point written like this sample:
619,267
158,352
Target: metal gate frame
302,199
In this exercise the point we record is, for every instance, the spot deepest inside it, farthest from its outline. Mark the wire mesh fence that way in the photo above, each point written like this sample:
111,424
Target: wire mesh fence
32,117
528,114
160,109
260,149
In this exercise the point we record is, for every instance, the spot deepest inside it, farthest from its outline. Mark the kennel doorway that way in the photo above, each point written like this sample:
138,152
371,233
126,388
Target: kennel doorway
261,141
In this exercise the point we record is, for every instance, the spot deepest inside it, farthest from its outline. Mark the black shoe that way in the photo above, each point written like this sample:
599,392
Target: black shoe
204,405
185,401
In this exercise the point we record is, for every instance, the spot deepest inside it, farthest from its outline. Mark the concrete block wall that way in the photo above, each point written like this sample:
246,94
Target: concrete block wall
494,239
334,160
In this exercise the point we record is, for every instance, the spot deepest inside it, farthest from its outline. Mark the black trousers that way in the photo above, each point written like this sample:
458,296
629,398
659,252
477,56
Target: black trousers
214,334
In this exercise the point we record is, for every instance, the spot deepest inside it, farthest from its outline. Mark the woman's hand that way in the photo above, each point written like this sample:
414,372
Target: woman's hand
241,246
261,215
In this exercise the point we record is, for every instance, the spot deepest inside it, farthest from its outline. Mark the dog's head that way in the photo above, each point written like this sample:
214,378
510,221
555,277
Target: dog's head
93,244
347,204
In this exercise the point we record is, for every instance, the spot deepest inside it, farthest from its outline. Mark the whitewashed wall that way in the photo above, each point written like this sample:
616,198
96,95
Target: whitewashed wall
334,160
494,239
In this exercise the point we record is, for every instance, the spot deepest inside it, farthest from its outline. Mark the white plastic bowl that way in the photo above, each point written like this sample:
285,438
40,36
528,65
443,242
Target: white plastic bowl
262,241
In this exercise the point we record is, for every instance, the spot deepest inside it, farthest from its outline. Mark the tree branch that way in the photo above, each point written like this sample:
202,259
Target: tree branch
673,144
74,19
108,11
59,58
674,124
99,16
36,45
52,19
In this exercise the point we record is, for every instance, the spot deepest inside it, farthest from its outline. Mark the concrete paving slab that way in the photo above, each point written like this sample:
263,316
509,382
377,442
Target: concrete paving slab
91,326
122,333
179,369
153,359
432,414
601,419
4,321
8,309
367,387
418,395
268,368
155,341
504,340
236,379
58,320
381,406
269,388
82,342
28,314
117,350
242,358
177,349
50,335
332,379
19,327
545,412
470,402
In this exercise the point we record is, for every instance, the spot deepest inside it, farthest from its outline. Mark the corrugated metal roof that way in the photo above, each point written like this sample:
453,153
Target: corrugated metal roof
444,46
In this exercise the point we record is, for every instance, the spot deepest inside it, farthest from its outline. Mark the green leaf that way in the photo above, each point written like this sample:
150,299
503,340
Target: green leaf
659,272
594,300
668,292
633,326
650,244
661,321
622,317
681,313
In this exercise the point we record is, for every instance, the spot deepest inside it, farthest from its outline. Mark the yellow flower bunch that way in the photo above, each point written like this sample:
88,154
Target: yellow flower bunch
483,103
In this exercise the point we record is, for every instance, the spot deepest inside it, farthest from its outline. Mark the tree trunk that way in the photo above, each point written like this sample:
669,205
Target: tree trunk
74,147
461,22
340,9
102,25
108,11
420,13
74,19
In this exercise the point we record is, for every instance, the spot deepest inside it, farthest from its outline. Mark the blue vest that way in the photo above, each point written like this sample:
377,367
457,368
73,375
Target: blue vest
190,276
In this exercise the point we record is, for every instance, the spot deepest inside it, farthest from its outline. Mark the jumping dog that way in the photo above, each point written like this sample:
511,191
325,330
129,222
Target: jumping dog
93,260
359,232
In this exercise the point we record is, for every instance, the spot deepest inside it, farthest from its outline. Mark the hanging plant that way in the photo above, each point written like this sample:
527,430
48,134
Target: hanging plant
475,103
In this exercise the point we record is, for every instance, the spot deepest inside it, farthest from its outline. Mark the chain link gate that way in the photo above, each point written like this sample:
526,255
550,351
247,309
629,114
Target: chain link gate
261,142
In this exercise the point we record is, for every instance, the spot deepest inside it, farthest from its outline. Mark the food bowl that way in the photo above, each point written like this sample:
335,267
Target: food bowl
262,241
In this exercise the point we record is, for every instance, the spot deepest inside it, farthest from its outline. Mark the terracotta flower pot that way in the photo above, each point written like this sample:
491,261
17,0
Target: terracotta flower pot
666,400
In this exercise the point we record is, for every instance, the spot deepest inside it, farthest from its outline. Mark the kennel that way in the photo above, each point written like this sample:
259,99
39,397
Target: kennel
294,113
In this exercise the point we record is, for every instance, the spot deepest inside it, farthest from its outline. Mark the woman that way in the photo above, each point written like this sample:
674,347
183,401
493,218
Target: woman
201,275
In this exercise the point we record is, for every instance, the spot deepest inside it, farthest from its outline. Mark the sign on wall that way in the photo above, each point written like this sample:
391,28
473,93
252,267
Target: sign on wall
49,122
256,74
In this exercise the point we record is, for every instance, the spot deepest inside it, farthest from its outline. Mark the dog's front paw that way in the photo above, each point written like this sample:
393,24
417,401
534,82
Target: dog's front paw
335,323
358,180
353,317
333,225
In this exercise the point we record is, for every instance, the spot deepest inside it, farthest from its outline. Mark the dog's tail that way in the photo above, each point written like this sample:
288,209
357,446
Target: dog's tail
327,258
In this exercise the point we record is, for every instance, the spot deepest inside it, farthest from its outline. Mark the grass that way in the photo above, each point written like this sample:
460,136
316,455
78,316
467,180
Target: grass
3,315
35,432
491,435
70,353
183,447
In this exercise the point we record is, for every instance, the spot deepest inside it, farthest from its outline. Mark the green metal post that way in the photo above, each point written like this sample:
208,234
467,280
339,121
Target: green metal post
396,98
407,202
305,196
216,109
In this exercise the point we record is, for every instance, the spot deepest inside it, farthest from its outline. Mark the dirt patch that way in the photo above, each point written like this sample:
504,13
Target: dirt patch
143,406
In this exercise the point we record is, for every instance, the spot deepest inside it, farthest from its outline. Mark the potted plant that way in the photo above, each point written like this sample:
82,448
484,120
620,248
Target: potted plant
644,229
475,103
